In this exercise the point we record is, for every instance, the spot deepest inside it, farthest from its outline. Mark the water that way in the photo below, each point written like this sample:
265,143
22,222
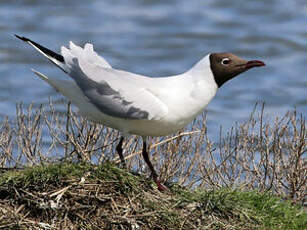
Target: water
158,38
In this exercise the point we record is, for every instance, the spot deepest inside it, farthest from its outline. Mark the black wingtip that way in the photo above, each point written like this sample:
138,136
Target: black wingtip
46,51
22,38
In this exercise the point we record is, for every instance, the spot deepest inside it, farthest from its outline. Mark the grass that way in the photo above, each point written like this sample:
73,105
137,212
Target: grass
84,196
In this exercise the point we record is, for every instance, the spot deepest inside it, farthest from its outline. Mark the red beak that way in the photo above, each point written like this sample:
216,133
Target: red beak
254,63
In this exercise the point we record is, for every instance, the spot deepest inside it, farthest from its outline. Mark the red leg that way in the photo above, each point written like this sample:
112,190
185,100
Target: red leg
161,187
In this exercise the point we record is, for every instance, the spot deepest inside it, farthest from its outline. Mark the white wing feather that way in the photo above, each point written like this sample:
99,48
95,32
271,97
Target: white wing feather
115,92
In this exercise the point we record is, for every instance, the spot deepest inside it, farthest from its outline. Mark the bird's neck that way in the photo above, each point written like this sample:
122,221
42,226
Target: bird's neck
202,76
203,87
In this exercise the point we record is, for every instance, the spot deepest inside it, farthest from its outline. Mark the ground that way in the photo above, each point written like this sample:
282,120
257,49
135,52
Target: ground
84,196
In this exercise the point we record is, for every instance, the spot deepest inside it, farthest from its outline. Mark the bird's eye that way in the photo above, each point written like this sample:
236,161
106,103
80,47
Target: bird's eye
225,61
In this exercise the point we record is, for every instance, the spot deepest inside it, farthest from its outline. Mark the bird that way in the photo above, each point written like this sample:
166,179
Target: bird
137,104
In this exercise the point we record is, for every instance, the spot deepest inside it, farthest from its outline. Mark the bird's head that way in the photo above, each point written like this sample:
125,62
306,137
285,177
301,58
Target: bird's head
226,66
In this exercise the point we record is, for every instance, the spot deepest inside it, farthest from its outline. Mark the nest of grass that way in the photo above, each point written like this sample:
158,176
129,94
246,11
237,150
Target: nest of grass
83,196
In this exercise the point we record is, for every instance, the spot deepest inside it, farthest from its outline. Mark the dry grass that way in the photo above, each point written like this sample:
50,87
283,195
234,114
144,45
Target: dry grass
259,154
213,183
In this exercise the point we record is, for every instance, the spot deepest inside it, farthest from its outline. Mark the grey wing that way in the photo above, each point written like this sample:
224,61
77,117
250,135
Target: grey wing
114,92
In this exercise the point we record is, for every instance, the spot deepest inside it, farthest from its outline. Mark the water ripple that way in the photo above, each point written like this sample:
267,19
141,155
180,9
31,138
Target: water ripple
161,38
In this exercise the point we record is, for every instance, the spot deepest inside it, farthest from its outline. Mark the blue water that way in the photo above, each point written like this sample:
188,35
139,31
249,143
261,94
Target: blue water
158,38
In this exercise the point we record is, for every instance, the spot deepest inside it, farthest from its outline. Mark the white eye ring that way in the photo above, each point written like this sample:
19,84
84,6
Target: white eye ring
225,61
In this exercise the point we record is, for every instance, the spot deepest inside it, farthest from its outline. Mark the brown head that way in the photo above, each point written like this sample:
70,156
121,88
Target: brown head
226,66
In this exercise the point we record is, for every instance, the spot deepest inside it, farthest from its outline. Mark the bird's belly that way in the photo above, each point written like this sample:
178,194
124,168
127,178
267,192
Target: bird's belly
155,128
165,126
142,127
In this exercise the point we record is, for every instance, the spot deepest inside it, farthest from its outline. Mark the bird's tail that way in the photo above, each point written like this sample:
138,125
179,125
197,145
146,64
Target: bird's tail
67,88
65,59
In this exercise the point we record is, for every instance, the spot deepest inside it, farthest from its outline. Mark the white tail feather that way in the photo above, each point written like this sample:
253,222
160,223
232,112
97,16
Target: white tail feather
86,54
67,88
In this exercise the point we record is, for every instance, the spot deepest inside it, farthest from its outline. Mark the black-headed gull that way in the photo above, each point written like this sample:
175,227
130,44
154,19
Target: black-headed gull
136,104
